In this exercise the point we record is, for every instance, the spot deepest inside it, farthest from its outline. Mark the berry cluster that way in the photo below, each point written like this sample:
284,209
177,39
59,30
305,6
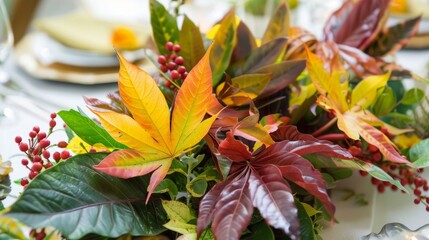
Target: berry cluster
36,150
38,235
173,64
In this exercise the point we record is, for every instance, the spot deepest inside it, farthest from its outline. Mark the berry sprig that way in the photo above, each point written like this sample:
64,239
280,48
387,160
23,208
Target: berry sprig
37,150
173,64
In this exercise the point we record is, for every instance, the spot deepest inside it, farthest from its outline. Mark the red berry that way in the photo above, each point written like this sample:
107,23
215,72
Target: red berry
37,166
375,181
56,156
372,148
48,165
53,115
427,208
32,174
92,150
426,188
169,46
404,181
427,200
171,65
44,143
37,158
46,154
173,57
394,188
358,144
24,181
380,188
62,144
163,68
417,192
355,151
162,59
174,74
179,60
32,134
24,162
52,123
18,139
65,154
41,135
176,48
417,201
181,69
36,129
23,147
376,156
393,167
363,173
36,151
184,75
418,182
167,84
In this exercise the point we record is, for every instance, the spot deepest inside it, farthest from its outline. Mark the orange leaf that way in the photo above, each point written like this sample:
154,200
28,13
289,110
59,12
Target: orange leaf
145,101
191,104
148,133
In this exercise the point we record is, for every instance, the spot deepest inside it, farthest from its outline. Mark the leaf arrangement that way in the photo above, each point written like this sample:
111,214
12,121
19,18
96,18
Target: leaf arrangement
242,145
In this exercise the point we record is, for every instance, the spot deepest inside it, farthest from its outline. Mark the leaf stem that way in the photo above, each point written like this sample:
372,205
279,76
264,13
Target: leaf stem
188,180
325,127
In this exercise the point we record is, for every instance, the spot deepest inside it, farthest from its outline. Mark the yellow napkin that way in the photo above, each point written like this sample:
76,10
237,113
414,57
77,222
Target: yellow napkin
83,31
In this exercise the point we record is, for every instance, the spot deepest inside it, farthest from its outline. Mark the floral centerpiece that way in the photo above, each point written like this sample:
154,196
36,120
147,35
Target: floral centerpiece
235,137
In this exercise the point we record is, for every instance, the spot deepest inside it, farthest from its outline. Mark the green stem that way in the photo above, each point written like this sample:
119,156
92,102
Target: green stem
325,127
188,180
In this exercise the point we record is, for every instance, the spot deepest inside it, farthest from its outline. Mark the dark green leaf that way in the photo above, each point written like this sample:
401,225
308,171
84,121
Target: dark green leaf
223,47
283,73
278,25
339,173
5,188
77,200
197,187
88,130
400,116
164,26
258,231
191,42
385,102
178,166
305,222
419,154
264,55
412,96
167,186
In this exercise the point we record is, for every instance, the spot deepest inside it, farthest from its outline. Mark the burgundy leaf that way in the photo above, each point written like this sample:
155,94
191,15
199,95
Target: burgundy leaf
234,209
94,102
356,24
290,132
234,149
247,44
393,38
361,63
272,196
311,180
301,147
207,205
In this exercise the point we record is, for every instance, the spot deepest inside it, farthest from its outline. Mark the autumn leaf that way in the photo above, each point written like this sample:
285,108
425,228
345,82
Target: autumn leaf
353,118
258,179
153,143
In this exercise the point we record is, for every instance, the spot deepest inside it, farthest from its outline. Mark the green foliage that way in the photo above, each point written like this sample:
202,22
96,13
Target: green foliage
88,130
111,206
164,26
191,42
419,154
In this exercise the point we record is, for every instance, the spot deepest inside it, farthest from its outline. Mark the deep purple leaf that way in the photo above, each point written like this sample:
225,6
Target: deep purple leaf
234,209
207,205
356,24
272,196
283,74
393,38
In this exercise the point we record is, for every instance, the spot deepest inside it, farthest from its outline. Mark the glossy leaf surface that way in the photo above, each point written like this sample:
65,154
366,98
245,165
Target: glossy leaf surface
154,145
191,43
111,206
164,26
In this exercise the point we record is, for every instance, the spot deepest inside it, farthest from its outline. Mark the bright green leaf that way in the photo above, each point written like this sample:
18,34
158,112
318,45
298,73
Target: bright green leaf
419,154
77,200
412,96
164,26
311,211
167,186
179,167
88,130
385,102
191,42
181,227
177,211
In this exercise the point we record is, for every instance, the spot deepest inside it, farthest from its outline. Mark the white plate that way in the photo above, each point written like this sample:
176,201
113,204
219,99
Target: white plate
47,51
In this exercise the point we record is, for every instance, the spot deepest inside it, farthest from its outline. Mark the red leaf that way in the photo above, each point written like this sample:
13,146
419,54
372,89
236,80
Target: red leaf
356,24
207,205
290,132
272,196
234,209
234,149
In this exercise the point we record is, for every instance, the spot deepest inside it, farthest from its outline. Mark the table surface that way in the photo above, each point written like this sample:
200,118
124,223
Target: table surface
354,221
